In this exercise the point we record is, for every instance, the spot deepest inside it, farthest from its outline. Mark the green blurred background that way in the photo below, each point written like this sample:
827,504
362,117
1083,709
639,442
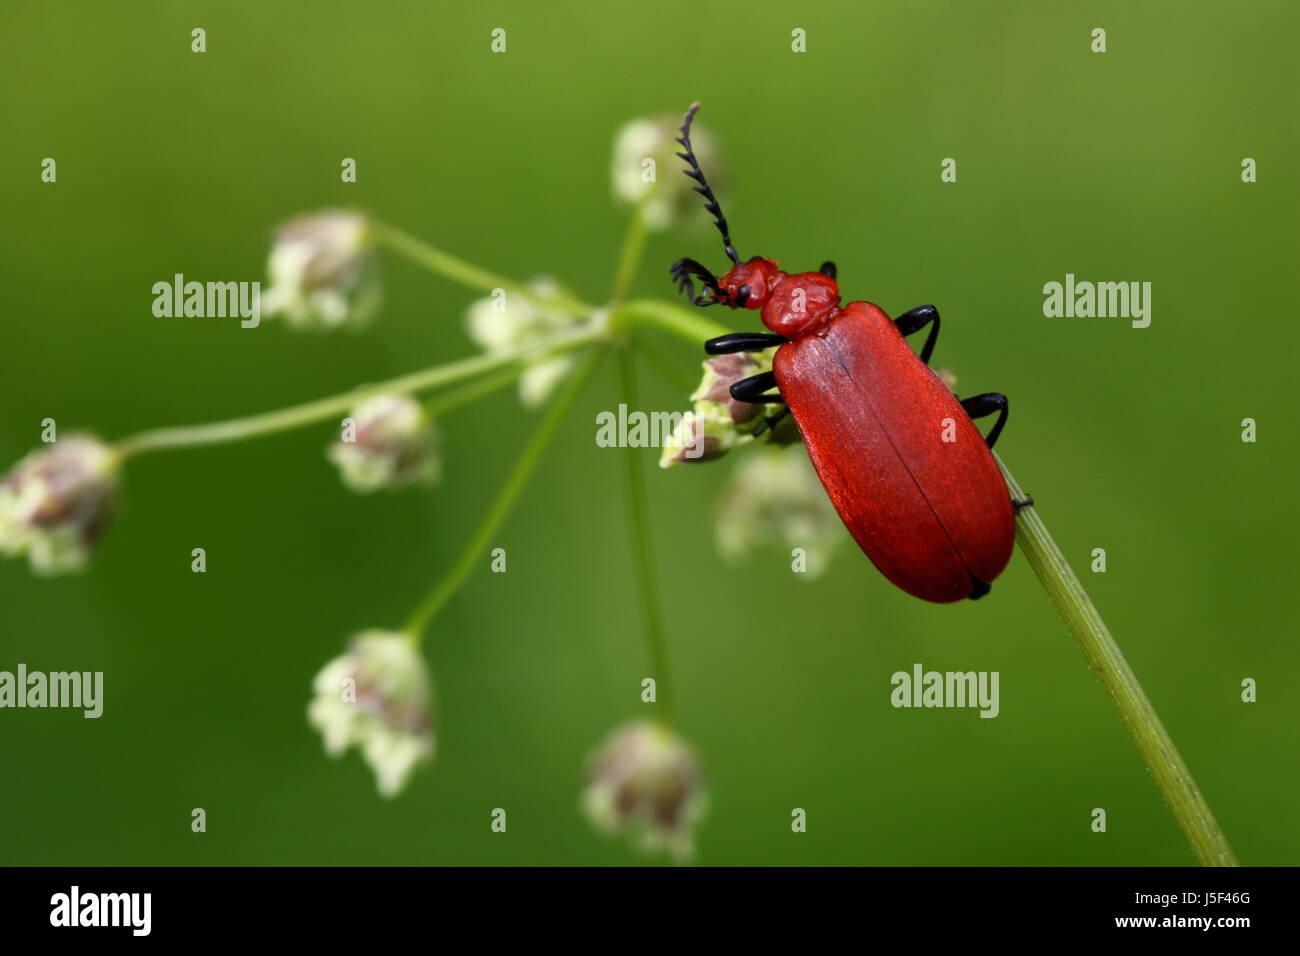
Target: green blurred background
1115,166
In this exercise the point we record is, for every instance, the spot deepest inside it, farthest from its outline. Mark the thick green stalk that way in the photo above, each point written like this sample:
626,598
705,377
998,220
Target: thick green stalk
1121,685
670,318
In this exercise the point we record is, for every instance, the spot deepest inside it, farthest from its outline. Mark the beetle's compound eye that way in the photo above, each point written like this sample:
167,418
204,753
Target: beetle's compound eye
742,296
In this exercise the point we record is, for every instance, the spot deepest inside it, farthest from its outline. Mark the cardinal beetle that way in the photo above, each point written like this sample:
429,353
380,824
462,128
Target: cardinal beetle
909,473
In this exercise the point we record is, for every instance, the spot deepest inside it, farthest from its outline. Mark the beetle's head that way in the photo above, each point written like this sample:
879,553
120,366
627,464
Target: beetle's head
748,284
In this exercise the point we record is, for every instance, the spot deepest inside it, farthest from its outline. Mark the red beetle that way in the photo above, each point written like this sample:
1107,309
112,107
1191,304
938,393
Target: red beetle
909,473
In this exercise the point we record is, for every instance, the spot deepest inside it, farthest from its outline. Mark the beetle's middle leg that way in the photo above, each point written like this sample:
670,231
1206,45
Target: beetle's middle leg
914,320
977,406
756,389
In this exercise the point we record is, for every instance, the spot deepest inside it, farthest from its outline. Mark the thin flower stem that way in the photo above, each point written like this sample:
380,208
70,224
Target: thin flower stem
297,415
643,546
1121,685
463,272
633,246
477,545
472,391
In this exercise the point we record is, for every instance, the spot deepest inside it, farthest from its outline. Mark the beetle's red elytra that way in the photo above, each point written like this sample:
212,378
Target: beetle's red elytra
911,476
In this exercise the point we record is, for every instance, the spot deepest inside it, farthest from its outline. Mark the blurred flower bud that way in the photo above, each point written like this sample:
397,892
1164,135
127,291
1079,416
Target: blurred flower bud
644,781
55,503
377,697
698,438
646,168
719,423
387,441
775,498
948,377
324,271
506,322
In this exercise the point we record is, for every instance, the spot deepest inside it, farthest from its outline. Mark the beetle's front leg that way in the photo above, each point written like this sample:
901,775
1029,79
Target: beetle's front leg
743,342
914,320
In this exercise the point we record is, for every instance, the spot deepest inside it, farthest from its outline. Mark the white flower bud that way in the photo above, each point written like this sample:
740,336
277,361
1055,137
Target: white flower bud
378,698
644,781
719,423
506,322
646,169
55,503
775,498
324,271
389,442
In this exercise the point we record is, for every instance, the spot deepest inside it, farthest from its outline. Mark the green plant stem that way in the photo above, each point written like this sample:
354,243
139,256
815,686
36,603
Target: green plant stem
472,391
643,546
463,272
670,318
685,377
297,415
630,258
477,545
1121,685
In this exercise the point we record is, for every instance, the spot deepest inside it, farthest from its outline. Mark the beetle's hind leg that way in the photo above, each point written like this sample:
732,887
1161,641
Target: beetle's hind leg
828,269
743,342
771,421
914,320
977,406
756,389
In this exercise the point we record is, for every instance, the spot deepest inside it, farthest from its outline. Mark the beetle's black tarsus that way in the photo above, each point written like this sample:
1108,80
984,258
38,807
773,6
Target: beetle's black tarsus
743,342
1018,505
978,588
914,320
771,421
697,174
828,269
754,389
977,406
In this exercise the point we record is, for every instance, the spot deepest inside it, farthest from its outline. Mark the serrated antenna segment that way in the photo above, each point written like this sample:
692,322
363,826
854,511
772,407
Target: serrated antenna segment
697,174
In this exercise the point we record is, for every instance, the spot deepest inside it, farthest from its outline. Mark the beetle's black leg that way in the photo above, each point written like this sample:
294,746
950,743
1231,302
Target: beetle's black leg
771,422
755,388
828,269
914,320
743,342
977,406
1023,504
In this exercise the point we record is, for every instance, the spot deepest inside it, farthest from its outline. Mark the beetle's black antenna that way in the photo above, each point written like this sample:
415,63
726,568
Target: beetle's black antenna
697,174
683,269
